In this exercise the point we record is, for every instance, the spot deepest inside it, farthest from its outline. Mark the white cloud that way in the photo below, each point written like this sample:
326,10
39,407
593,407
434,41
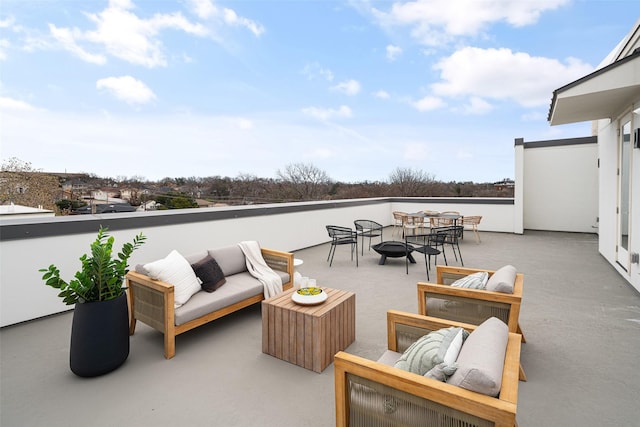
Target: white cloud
503,74
382,94
4,45
127,89
128,37
207,10
349,87
242,123
15,105
203,8
328,113
477,105
315,71
434,22
393,52
232,18
67,40
119,32
428,103
534,116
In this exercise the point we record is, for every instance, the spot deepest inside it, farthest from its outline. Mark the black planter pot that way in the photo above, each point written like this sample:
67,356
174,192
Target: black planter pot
99,337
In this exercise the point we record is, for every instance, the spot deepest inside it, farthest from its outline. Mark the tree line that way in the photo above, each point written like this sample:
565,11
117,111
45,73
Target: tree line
22,184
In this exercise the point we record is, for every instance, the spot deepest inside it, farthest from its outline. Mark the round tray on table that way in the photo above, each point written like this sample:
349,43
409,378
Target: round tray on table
309,296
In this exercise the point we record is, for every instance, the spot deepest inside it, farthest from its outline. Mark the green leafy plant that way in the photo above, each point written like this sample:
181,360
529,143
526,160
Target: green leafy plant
101,276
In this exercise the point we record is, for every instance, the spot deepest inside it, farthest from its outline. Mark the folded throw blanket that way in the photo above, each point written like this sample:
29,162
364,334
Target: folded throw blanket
260,270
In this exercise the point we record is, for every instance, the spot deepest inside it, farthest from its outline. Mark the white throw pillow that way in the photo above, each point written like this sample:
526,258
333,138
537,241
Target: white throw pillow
175,270
472,281
451,355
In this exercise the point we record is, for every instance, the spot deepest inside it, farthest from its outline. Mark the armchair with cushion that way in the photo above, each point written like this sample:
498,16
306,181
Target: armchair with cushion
471,302
483,390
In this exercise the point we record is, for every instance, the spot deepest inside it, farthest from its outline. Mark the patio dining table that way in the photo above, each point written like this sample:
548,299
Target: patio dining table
425,215
452,217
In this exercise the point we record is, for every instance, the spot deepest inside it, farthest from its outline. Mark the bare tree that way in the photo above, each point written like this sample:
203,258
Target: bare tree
410,182
304,181
21,184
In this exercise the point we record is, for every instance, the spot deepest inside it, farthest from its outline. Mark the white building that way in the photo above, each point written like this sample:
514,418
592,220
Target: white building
611,97
12,211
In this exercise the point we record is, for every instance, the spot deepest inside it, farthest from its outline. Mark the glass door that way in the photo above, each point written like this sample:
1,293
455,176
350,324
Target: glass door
624,188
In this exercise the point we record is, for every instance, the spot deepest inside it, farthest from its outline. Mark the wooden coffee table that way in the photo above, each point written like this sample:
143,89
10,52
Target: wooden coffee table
308,336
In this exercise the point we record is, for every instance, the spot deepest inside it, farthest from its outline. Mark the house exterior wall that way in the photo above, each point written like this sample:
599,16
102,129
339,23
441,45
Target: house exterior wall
558,184
608,196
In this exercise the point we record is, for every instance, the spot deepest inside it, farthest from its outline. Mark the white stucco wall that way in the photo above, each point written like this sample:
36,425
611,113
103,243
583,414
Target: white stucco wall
561,188
608,198
23,296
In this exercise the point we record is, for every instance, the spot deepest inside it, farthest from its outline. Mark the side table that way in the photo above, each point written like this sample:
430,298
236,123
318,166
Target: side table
308,336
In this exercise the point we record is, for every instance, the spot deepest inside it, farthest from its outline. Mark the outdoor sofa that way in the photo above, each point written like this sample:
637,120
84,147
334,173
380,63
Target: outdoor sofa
158,304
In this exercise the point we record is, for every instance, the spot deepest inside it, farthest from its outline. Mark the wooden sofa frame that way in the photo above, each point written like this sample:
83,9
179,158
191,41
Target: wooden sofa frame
501,410
445,275
152,301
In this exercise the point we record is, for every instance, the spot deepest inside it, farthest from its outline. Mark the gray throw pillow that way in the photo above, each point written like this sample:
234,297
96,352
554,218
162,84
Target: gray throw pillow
441,371
428,351
502,280
210,273
481,360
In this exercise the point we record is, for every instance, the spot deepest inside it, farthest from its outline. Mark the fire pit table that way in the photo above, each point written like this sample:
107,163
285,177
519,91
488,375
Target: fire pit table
393,249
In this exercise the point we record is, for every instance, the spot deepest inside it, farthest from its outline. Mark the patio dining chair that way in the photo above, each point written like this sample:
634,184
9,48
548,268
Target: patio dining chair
472,221
413,224
342,236
398,222
421,243
367,228
444,222
450,236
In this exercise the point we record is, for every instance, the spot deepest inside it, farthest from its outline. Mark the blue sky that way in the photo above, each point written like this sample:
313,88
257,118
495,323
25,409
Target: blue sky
187,88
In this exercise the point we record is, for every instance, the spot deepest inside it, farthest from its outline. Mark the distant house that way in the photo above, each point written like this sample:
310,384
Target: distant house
504,184
150,205
12,211
106,194
610,96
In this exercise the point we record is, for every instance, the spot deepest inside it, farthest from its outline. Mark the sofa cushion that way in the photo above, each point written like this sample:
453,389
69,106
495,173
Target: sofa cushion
389,357
502,280
176,270
427,351
481,360
230,259
208,270
238,287
196,256
473,281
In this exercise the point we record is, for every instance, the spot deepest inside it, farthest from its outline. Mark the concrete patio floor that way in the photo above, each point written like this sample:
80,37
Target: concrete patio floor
580,318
